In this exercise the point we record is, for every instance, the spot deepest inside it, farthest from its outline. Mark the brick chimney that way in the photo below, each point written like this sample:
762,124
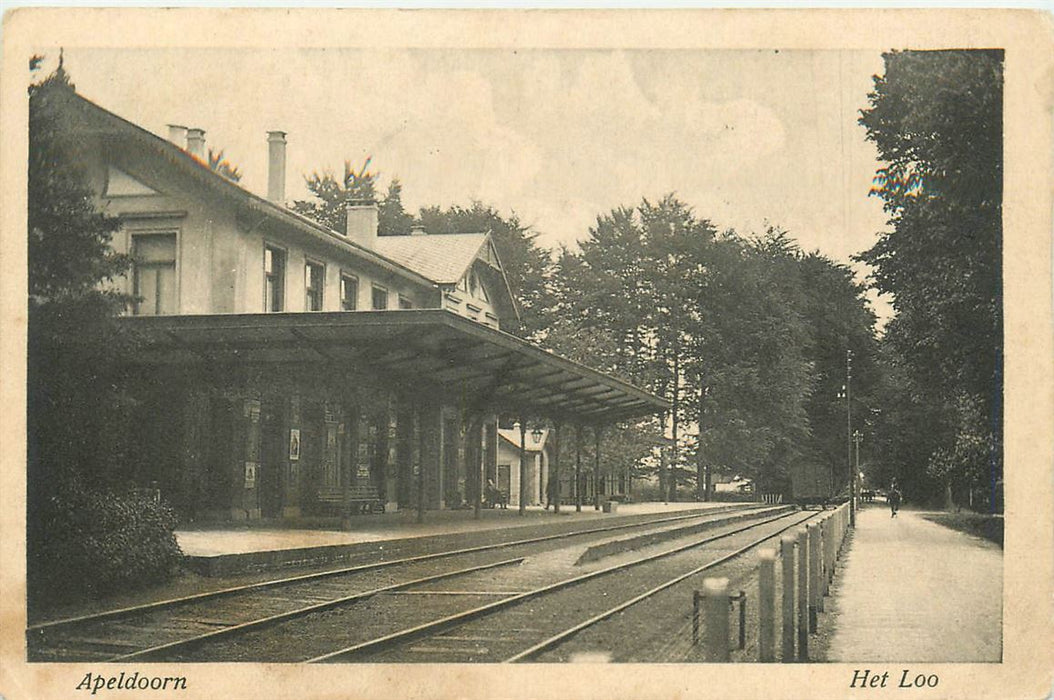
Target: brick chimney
196,143
177,134
276,166
362,222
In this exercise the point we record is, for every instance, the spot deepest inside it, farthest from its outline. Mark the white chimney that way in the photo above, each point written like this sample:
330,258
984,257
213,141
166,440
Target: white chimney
177,134
418,230
196,143
276,166
362,222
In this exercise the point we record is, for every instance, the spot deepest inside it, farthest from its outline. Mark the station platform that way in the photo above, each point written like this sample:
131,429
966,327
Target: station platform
236,548
912,590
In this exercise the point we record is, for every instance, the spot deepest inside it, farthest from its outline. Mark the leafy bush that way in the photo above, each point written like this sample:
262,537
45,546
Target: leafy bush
91,543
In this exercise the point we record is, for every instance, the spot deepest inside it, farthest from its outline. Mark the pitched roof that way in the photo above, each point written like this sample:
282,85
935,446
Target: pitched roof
108,122
443,258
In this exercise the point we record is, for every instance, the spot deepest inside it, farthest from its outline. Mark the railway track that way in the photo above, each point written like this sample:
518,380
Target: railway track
524,625
475,616
167,629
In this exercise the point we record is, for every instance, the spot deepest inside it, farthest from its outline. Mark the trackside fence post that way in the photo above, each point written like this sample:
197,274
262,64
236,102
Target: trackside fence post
803,595
787,576
767,606
825,566
830,527
815,574
715,606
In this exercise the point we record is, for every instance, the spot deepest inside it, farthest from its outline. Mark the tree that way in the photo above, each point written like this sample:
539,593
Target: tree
331,196
219,164
838,319
936,119
746,336
71,303
754,376
69,240
393,219
79,516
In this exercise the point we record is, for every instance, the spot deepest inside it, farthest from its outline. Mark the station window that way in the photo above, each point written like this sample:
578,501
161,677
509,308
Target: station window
380,298
274,279
315,281
349,293
405,303
154,273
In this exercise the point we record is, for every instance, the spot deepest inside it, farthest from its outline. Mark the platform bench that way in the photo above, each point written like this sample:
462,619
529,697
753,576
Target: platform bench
358,500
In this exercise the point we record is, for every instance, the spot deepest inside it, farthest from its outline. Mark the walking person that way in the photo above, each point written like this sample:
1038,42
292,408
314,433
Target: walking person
894,499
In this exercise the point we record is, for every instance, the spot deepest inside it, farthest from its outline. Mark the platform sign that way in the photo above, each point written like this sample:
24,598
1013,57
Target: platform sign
294,444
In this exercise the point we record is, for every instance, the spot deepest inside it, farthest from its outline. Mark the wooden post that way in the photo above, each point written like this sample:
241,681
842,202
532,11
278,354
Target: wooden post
767,606
789,596
825,540
715,606
523,465
420,448
596,467
803,595
474,463
578,468
815,574
554,466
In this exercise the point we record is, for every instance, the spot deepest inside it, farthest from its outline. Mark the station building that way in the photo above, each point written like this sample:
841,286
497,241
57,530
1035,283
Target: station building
283,369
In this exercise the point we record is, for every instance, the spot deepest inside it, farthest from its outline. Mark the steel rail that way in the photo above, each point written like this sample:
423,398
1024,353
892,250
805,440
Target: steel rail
466,616
197,597
143,654
572,631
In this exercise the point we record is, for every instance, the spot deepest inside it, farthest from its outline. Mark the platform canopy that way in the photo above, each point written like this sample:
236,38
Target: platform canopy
416,349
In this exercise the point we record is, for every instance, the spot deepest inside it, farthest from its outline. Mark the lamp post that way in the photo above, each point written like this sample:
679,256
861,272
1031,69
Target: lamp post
536,435
846,393
522,425
857,438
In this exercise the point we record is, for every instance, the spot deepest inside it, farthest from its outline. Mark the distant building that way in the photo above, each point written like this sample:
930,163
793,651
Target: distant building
727,483
285,369
507,476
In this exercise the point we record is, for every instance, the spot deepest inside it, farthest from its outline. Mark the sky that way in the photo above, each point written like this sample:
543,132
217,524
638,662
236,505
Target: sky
748,138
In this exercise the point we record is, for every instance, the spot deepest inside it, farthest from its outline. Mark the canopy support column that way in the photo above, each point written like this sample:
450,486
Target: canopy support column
578,468
420,448
596,467
554,467
523,465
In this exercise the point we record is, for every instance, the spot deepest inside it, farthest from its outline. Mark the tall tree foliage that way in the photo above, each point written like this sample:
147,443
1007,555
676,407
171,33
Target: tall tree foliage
77,516
71,304
69,240
219,164
753,371
839,320
623,284
739,334
745,336
330,195
936,119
